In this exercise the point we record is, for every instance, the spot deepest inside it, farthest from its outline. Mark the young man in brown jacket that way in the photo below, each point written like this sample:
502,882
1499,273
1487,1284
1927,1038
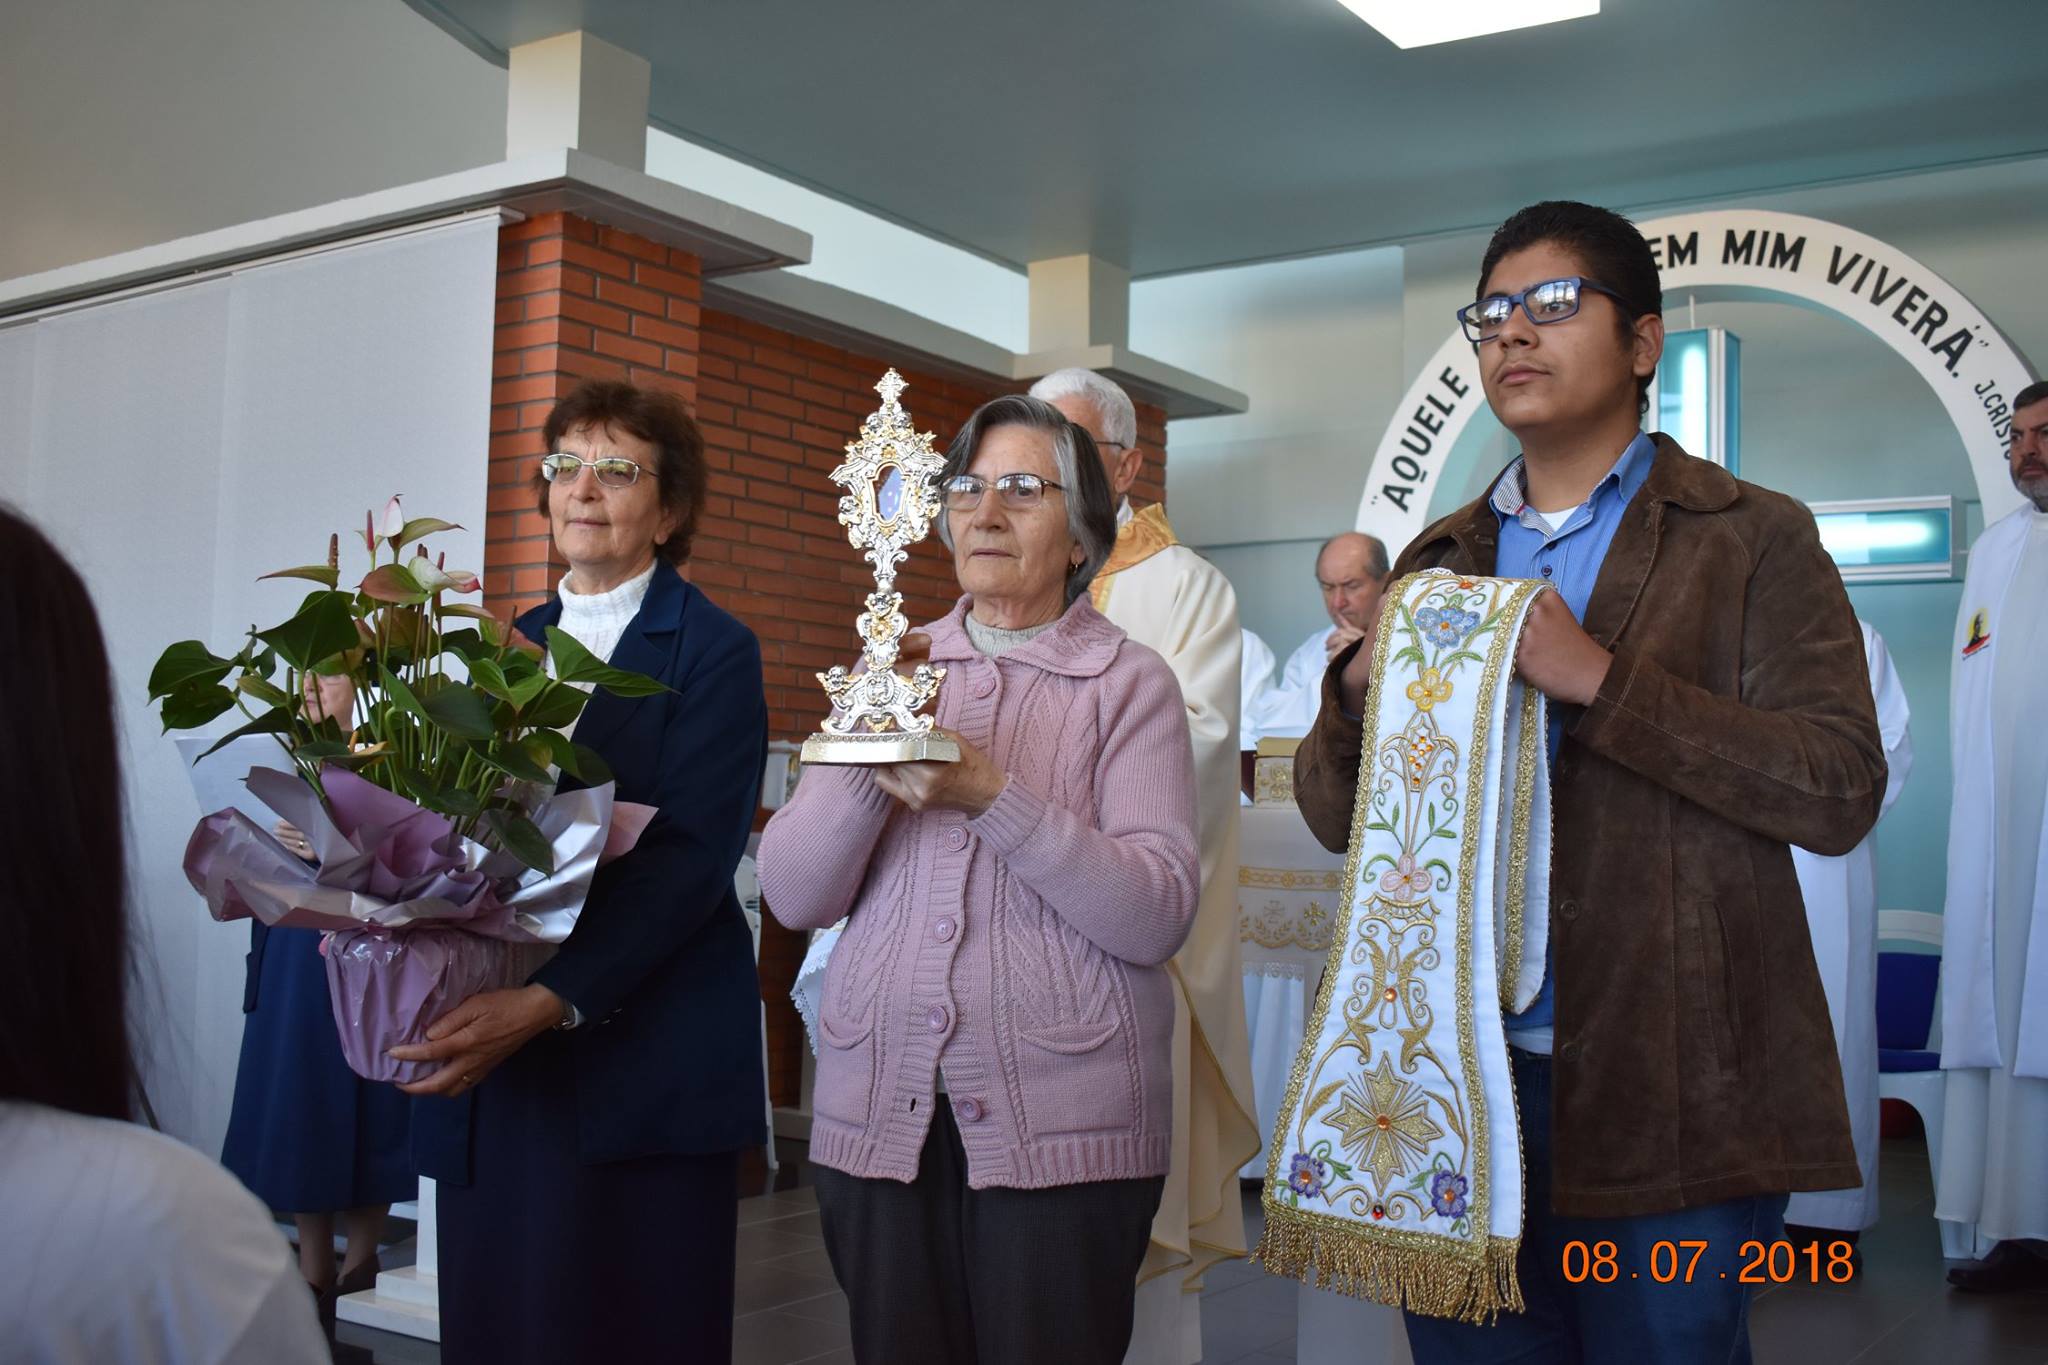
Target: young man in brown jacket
1676,1077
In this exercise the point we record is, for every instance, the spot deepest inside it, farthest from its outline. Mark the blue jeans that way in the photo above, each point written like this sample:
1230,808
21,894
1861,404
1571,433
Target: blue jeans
1633,1317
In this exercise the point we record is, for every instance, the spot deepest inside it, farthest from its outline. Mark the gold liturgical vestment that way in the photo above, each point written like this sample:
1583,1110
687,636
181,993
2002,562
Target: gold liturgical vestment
1170,599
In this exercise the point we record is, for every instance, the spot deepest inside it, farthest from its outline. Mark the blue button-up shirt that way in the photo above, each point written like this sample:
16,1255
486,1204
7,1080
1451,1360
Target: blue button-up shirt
1568,559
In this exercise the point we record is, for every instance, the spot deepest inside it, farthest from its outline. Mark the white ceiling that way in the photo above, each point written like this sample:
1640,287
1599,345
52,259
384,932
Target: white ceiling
1171,135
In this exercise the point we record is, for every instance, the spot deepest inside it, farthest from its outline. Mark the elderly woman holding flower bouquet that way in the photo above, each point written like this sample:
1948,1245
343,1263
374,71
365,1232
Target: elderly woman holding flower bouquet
993,1116
586,1126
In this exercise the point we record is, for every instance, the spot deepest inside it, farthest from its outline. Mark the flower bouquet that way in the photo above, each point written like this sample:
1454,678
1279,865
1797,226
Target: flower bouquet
448,861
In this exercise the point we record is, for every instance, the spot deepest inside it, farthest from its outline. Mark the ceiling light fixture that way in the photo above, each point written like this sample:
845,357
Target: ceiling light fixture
1421,23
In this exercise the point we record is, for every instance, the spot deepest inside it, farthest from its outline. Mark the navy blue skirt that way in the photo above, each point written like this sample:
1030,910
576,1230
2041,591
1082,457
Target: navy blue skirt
308,1135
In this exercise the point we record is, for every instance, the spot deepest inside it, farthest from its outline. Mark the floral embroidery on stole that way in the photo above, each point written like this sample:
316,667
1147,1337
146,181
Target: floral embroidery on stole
1395,1169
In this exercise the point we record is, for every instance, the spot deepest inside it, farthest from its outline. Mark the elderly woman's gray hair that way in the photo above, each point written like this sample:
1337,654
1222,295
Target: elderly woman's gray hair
1091,510
1111,403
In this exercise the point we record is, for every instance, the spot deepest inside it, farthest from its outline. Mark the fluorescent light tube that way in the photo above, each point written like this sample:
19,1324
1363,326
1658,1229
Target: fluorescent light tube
1422,23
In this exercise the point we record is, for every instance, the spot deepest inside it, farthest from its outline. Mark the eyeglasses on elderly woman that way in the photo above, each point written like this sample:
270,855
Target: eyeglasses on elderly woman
613,471
1018,491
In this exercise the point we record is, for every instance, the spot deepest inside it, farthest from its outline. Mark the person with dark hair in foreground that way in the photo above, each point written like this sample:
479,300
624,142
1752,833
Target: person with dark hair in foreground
1676,1075
1994,925
120,1244
586,1127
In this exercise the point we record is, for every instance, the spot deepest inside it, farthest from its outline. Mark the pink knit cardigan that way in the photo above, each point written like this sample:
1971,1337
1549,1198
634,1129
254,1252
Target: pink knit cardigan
1026,946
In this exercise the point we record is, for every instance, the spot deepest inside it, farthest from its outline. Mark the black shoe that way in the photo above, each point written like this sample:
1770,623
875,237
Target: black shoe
323,1306
2011,1266
356,1281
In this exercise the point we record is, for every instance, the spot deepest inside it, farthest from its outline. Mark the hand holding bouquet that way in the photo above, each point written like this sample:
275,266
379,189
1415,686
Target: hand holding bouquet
426,737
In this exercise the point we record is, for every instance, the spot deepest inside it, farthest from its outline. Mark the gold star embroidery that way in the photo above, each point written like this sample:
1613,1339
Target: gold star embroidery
1384,1120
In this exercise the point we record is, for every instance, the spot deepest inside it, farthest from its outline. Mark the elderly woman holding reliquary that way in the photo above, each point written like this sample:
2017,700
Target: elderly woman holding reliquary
992,1117
586,1127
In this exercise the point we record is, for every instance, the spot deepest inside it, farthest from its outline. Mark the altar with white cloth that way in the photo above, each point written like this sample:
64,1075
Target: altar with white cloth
1289,901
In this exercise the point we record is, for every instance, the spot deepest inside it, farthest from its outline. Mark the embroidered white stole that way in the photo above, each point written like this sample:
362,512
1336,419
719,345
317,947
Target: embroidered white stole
1395,1170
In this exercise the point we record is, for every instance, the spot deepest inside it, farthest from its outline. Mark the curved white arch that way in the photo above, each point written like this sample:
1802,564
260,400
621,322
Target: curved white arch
1968,363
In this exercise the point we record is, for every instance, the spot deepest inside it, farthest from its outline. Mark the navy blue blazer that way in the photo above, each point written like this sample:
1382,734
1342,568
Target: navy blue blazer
661,962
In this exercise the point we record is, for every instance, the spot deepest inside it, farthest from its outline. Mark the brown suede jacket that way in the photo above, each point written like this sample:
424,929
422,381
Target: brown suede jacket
1694,1058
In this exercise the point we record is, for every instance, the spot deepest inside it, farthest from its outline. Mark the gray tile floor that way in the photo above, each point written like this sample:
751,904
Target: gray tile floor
1899,1309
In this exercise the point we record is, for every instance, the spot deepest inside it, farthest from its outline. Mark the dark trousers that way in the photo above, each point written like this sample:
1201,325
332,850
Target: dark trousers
547,1260
1632,1317
940,1274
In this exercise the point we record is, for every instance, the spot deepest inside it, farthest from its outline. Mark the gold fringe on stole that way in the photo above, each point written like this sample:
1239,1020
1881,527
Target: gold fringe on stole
1367,1063
1438,1283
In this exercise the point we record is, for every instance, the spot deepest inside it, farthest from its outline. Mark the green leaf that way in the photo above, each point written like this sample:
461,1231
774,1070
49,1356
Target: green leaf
556,705
324,574
356,760
461,711
466,644
187,661
194,704
419,527
458,802
486,674
525,689
577,760
515,760
323,626
276,721
321,750
588,768
519,836
575,664
389,583
262,690
395,688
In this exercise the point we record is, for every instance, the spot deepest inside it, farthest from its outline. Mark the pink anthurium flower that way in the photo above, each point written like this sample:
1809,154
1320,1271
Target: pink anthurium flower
393,520
370,532
431,577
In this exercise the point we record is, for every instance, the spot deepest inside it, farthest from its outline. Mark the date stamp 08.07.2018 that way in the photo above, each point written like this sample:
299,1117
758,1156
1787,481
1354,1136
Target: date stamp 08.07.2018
1678,1262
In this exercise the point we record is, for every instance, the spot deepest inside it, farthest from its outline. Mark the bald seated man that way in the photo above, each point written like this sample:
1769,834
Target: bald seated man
1351,571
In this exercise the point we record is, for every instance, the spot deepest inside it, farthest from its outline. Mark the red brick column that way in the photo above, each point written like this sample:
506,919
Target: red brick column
575,301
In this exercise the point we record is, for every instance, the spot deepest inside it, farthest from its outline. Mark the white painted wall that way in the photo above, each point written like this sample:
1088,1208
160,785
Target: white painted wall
178,445
1316,342
132,124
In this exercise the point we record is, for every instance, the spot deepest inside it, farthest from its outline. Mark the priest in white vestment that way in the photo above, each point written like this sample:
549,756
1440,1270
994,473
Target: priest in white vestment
1166,596
1351,572
1841,913
1994,987
1254,689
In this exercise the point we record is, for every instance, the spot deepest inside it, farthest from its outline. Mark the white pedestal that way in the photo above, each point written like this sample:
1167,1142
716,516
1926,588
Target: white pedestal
407,1300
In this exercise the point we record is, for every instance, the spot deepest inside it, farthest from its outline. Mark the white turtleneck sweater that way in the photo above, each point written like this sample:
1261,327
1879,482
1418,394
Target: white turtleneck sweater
597,620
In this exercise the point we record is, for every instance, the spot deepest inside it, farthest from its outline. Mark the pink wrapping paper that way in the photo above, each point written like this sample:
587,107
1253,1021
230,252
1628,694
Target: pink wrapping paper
418,919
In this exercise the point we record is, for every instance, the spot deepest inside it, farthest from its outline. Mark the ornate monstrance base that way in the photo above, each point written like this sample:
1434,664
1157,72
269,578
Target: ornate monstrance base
891,747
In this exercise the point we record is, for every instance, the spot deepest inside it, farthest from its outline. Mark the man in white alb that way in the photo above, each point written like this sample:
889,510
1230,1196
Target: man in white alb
1165,596
1841,913
1255,689
1994,964
1351,571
